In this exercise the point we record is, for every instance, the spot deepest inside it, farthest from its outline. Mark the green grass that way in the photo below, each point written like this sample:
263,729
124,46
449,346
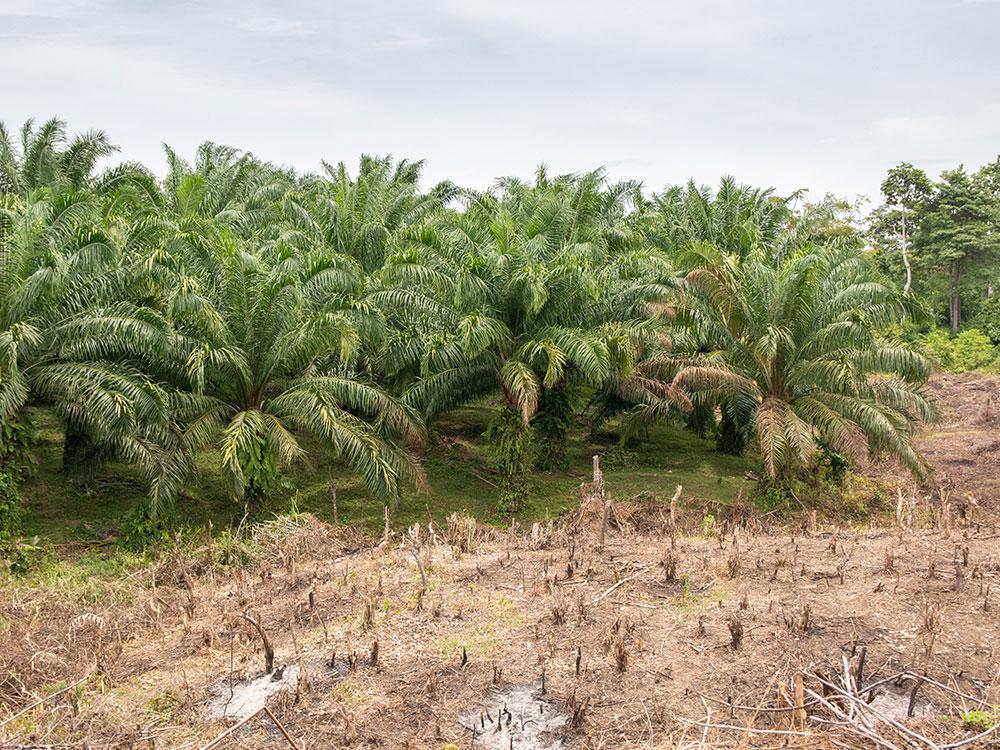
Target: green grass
457,466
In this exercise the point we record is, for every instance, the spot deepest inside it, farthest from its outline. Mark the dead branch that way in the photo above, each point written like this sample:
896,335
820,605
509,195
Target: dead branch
268,648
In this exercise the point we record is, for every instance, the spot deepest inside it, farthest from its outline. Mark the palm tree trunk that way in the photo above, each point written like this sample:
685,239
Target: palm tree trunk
701,419
906,256
552,422
79,459
955,300
511,446
732,436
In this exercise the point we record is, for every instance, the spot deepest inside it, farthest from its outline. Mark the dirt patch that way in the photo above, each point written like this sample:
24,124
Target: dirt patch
963,447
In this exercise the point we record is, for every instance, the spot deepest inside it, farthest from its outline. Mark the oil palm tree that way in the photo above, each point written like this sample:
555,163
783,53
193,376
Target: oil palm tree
362,216
798,352
527,294
201,206
48,157
67,337
736,218
266,345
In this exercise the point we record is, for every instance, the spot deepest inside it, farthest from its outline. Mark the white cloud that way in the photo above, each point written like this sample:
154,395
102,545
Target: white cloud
658,90
47,9
919,129
273,25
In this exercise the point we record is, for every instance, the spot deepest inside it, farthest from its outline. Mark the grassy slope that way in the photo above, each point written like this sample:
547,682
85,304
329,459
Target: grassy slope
457,466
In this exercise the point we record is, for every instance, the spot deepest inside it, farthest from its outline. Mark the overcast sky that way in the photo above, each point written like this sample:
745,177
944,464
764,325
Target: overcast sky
821,94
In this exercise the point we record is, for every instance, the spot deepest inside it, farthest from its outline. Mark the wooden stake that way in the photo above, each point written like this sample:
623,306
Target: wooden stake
959,575
913,697
800,699
673,506
598,492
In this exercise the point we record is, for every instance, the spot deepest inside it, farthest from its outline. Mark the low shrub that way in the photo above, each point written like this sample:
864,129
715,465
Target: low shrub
969,350
987,318
979,720
16,555
972,350
16,435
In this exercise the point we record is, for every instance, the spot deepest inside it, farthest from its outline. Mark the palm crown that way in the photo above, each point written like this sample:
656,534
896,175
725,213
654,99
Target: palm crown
795,350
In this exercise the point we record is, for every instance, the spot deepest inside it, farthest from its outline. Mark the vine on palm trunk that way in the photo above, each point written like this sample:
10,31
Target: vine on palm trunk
552,422
512,444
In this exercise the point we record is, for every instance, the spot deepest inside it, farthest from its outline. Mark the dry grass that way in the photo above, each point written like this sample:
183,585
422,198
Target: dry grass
636,657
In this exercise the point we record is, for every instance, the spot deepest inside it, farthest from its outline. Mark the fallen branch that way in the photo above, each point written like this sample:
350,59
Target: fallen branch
623,581
864,707
745,729
970,740
242,723
232,729
281,728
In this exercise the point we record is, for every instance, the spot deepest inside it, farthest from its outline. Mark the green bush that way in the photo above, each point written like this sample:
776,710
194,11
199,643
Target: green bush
769,497
832,465
972,350
937,345
979,721
969,350
15,441
987,318
16,555
140,530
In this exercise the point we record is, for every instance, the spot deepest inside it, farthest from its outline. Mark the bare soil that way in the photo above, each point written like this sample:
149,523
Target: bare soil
701,631
964,447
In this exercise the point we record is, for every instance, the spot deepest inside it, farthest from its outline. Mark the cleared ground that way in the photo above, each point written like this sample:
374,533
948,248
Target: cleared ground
661,657
708,630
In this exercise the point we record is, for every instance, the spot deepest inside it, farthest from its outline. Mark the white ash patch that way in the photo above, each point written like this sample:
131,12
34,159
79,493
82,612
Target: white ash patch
246,697
893,703
518,717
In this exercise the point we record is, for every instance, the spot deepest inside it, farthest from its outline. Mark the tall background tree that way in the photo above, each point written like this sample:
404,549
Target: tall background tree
905,190
959,236
946,233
